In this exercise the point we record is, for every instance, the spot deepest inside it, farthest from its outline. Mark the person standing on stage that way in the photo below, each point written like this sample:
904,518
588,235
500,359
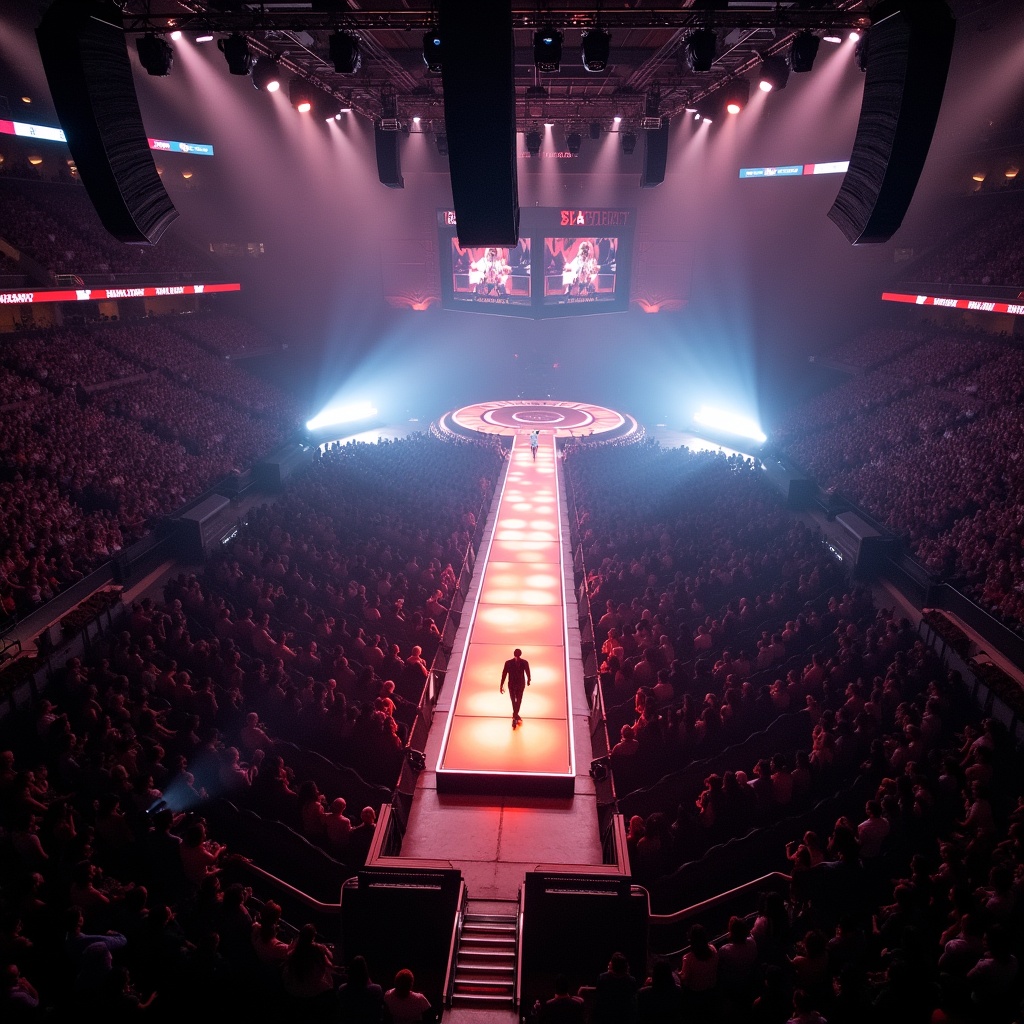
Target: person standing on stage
517,672
534,442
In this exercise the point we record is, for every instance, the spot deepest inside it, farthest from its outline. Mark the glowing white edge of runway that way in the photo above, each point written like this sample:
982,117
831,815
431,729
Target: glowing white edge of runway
565,641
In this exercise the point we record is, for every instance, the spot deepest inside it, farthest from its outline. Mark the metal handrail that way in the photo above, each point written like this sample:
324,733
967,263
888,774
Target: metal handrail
453,945
517,985
679,916
331,909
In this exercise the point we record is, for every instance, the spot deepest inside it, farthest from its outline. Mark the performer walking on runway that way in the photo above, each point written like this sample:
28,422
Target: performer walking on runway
534,441
517,672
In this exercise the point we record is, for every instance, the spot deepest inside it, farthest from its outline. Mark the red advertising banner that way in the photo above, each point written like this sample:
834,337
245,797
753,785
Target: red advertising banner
979,305
26,297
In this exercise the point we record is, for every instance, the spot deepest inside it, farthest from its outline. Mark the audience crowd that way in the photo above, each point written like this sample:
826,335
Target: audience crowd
95,465
57,226
896,811
223,335
928,444
281,682
989,252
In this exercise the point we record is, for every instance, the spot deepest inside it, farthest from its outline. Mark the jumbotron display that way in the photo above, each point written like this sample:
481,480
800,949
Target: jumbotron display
492,276
567,263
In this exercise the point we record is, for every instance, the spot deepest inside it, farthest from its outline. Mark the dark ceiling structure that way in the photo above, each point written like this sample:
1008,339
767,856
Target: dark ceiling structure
647,71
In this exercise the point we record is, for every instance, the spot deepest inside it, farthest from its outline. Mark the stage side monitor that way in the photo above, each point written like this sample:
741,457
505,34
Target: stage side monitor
909,47
85,57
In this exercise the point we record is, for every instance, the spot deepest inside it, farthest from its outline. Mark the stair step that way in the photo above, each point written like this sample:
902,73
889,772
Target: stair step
483,986
503,918
492,955
487,929
481,1000
497,970
472,942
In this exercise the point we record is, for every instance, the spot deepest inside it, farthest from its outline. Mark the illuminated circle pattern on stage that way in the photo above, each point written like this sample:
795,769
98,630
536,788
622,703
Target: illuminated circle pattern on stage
558,418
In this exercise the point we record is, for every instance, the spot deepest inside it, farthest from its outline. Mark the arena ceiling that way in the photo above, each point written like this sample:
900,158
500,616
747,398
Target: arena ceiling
647,48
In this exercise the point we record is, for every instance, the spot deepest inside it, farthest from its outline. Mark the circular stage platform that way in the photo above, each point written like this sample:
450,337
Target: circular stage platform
563,419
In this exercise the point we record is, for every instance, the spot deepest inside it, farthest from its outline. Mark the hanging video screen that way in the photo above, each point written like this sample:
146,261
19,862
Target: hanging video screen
567,263
579,271
492,275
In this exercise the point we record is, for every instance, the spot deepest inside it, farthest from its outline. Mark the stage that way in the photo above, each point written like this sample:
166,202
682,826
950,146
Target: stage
520,603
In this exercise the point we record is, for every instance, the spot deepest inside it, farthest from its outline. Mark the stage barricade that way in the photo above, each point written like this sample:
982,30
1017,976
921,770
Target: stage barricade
572,923
399,917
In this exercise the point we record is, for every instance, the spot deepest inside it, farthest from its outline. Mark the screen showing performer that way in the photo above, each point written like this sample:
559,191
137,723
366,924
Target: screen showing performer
492,275
580,270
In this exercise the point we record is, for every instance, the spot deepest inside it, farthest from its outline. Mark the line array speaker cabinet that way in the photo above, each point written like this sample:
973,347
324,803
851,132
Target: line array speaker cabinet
85,57
909,46
655,156
477,76
389,163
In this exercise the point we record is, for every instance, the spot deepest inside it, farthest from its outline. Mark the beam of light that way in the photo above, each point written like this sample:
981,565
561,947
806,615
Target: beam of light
334,415
730,423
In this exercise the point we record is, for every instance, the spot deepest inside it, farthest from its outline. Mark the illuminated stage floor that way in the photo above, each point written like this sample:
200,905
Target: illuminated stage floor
520,603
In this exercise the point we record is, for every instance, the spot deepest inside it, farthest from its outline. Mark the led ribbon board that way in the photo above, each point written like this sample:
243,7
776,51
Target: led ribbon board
948,302
47,134
38,295
796,170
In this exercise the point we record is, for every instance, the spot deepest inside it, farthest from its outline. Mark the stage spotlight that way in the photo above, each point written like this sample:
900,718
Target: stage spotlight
441,141
547,50
735,95
325,106
729,423
266,74
832,37
301,94
706,110
774,74
533,142
595,129
628,140
204,37
860,52
176,34
345,53
573,141
334,415
651,121
597,46
535,97
432,51
155,55
700,48
617,119
803,52
854,36
237,53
